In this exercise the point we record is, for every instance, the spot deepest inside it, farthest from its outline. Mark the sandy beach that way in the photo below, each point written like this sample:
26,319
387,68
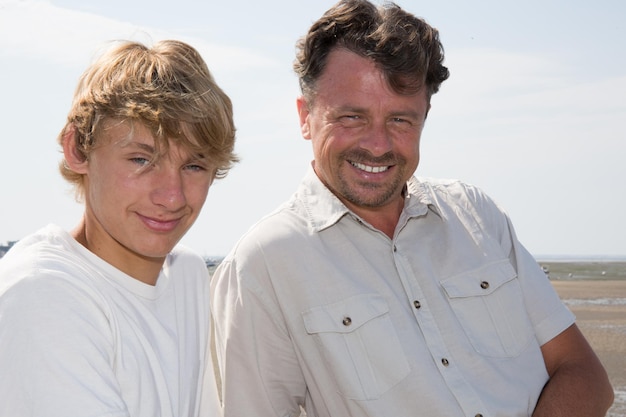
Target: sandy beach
600,309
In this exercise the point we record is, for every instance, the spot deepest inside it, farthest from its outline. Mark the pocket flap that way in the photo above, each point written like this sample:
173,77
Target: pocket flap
344,316
481,281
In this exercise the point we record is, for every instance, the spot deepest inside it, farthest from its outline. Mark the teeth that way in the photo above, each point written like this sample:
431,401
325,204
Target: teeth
368,168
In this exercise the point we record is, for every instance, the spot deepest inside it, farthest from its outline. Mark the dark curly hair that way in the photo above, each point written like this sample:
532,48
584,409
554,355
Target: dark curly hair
404,47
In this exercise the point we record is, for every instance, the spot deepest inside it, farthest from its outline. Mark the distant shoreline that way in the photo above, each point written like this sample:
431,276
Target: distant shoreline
592,270
580,258
560,269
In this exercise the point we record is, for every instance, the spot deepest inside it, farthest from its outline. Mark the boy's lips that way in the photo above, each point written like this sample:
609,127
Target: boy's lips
160,225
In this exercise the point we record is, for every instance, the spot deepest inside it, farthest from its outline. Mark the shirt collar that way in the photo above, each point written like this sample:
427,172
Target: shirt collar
324,209
420,199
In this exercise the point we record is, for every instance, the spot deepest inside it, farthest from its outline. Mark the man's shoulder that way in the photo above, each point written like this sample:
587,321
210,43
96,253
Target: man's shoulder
448,187
454,196
283,221
276,235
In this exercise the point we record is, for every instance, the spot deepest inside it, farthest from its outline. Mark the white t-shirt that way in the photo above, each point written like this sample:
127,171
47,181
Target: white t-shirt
79,337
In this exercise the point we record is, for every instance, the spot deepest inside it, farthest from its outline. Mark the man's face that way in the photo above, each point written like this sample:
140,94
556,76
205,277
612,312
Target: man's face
365,136
136,208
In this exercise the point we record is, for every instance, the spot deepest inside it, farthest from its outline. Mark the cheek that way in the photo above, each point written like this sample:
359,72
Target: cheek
330,143
100,188
196,192
111,192
409,145
202,198
413,155
323,151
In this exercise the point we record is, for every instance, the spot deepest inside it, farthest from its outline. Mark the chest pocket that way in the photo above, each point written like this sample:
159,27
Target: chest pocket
489,305
358,341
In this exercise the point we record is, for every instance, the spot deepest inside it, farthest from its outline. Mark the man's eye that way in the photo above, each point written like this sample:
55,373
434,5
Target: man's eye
351,120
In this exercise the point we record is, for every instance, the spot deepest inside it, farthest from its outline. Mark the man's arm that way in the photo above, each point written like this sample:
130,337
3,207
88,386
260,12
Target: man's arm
578,384
259,370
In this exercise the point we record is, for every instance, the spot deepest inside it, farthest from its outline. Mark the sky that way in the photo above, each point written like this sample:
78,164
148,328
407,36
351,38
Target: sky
534,111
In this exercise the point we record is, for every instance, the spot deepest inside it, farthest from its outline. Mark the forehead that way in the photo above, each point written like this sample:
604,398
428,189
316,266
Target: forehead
344,66
349,79
133,135
122,132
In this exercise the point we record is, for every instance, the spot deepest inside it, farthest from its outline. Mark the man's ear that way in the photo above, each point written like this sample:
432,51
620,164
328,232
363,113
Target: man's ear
303,114
74,158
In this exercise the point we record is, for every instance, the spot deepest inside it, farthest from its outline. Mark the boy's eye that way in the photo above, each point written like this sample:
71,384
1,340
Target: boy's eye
140,160
195,167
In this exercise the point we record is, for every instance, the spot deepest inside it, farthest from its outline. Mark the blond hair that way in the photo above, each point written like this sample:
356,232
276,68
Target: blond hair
168,88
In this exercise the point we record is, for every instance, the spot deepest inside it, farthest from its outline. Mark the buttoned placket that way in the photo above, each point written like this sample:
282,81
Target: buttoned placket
439,352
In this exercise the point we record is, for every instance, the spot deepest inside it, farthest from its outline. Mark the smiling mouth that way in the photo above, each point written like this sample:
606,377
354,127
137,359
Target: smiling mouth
369,168
160,225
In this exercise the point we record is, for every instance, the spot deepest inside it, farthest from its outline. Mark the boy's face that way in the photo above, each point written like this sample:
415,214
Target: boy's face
137,210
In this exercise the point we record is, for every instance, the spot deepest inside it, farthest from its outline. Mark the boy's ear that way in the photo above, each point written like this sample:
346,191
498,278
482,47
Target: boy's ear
74,158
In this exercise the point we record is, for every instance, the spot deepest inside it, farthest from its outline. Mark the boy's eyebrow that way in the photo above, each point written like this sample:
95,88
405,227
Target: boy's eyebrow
198,156
144,146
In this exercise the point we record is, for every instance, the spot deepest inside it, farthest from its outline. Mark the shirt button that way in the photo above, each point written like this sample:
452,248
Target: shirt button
484,285
347,321
445,362
417,304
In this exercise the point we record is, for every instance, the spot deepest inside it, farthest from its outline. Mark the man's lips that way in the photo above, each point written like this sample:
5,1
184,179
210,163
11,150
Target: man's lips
370,168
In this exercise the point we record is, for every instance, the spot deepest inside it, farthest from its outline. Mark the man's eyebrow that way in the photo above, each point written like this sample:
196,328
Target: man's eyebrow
413,114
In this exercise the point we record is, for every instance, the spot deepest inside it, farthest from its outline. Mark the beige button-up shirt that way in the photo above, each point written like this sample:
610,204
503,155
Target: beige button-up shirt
316,308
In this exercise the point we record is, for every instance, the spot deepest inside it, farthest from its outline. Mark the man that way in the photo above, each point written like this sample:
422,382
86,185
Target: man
374,293
112,318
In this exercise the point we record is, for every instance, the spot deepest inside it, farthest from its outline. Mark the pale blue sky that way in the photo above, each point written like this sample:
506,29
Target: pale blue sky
534,111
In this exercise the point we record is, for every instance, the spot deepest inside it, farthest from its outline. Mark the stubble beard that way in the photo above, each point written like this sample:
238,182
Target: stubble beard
368,194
